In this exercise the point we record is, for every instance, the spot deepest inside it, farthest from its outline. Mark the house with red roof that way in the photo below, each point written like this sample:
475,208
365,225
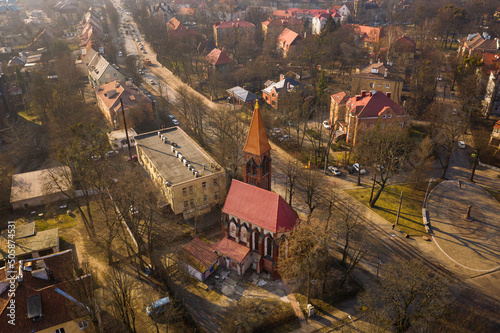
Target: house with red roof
368,35
198,258
378,76
368,110
255,220
337,110
319,21
402,51
272,27
233,30
219,60
45,296
288,41
485,47
178,30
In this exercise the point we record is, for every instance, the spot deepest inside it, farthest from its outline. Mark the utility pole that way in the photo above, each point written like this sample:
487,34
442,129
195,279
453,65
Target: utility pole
399,209
476,159
126,131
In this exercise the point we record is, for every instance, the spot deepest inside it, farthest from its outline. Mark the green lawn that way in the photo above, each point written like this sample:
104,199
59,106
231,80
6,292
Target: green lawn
29,117
410,219
62,221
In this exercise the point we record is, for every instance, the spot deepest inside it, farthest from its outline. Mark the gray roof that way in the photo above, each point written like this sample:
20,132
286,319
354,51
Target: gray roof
36,184
165,161
42,240
242,94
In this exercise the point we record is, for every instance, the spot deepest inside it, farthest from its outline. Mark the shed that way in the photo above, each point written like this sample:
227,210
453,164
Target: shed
241,95
198,259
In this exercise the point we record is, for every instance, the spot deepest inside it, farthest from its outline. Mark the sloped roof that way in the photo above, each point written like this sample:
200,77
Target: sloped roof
288,82
242,94
497,125
260,207
288,37
187,11
198,254
175,24
371,105
233,24
405,44
110,94
277,22
218,57
257,142
341,97
232,249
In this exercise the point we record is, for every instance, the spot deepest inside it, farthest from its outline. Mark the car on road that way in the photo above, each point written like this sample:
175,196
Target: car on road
175,122
171,116
461,144
158,307
326,124
276,131
111,153
359,168
120,54
334,171
152,82
285,137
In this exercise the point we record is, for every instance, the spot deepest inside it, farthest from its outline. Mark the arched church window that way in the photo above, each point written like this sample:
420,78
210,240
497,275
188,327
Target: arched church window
232,229
243,234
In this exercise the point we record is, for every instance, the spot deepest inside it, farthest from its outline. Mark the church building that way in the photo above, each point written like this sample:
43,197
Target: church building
254,219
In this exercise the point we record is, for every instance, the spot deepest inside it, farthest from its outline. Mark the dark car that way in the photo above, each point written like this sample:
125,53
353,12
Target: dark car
349,169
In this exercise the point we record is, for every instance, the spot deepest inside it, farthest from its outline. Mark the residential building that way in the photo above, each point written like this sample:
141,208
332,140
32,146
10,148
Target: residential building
29,243
36,188
491,100
198,259
67,10
176,29
368,110
162,11
495,135
255,231
230,31
402,51
46,295
319,21
240,96
276,91
338,111
344,12
287,41
219,60
368,35
9,17
485,47
377,77
274,26
190,180
137,107
100,71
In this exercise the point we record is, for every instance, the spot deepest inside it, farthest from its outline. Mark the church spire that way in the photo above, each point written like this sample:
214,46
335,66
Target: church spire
257,143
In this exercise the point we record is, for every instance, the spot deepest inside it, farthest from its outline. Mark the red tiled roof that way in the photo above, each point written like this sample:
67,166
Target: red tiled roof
187,11
198,254
128,92
257,142
56,309
218,57
233,24
259,207
232,249
405,43
175,24
276,22
371,105
288,37
341,97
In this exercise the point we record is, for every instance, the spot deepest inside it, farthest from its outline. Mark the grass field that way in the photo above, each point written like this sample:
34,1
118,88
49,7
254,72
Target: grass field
410,219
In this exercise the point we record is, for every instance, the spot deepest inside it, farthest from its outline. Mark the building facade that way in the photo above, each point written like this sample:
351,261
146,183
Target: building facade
231,31
189,179
377,77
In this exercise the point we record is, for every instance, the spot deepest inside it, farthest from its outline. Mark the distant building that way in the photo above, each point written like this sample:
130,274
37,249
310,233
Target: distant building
319,21
287,41
190,180
176,29
118,138
495,135
138,107
365,111
276,91
241,96
46,295
9,17
274,26
36,188
68,10
219,60
485,47
368,35
229,31
377,77
403,51
162,11
100,71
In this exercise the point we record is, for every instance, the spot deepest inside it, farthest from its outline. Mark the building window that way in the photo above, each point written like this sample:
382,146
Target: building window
390,116
216,182
83,325
255,241
191,202
372,85
190,189
384,116
380,84
186,204
205,199
243,234
60,330
268,247
204,185
401,124
232,229
387,86
184,191
216,196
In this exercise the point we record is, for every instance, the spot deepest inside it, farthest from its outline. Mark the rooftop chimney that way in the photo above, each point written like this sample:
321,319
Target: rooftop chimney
363,93
386,72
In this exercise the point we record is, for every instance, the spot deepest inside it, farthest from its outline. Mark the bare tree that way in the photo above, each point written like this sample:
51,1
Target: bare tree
120,289
310,182
292,173
407,295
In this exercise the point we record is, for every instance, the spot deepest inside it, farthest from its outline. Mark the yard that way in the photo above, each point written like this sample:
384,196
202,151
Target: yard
410,219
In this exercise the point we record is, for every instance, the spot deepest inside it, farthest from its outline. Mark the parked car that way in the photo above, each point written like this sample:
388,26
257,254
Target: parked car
276,131
285,137
111,153
461,144
335,171
152,81
175,122
349,169
326,124
171,116
158,307
359,168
